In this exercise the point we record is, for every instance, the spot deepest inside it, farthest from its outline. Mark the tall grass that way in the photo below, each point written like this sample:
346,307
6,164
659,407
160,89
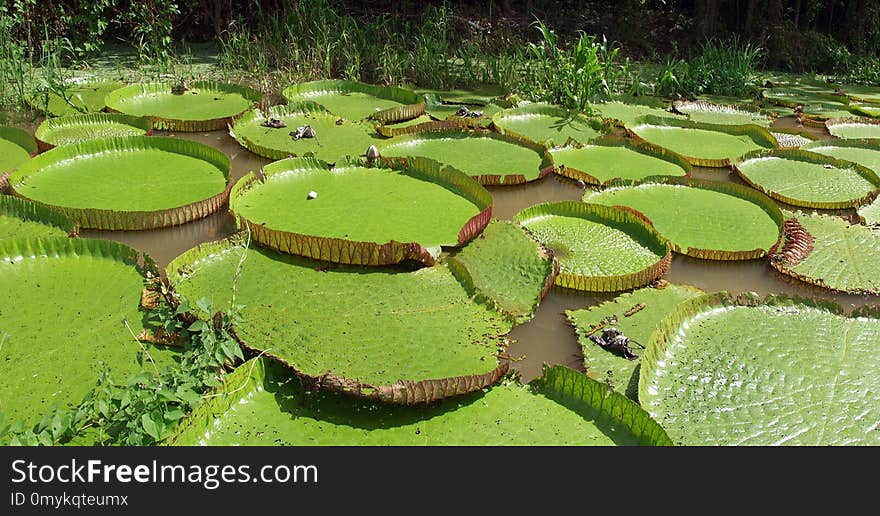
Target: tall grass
727,67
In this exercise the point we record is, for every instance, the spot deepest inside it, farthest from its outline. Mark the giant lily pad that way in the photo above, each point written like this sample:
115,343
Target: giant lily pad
702,111
262,405
547,124
506,268
386,334
863,152
358,101
862,93
599,248
726,371
827,251
703,219
627,114
870,213
792,138
490,158
23,219
63,317
704,145
854,128
607,159
871,110
68,130
202,106
136,182
16,147
636,314
76,99
793,96
804,178
334,138
361,215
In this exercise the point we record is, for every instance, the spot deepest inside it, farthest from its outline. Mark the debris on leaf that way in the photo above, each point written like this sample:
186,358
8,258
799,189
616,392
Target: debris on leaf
274,123
313,194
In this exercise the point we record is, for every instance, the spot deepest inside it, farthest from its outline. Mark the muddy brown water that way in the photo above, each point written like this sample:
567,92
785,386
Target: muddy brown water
548,338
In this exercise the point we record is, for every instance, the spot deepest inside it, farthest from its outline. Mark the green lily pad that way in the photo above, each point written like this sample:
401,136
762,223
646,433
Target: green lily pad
645,308
68,130
599,248
804,178
704,145
136,182
450,112
872,110
202,106
481,95
863,152
703,219
353,100
23,219
490,158
547,124
608,159
64,319
792,140
16,147
78,99
870,213
827,251
802,95
628,114
334,139
395,336
854,128
702,111
726,371
261,405
506,268
359,214
399,128
862,93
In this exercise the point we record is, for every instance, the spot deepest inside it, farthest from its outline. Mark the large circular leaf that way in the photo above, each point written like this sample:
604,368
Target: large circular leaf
334,138
854,128
870,213
704,219
76,99
702,111
636,314
547,124
804,178
863,152
358,101
599,248
72,301
200,106
827,251
627,114
395,336
68,130
23,219
704,145
136,182
16,147
361,215
506,268
490,158
723,371
607,159
803,95
862,93
564,407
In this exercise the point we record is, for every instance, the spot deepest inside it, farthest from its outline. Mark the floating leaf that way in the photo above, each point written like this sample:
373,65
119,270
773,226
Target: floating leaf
870,213
71,296
262,405
135,182
827,251
68,130
358,101
23,219
610,158
361,215
863,152
395,336
547,124
628,114
599,248
854,128
636,314
704,219
16,147
77,99
702,111
726,371
804,178
196,107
